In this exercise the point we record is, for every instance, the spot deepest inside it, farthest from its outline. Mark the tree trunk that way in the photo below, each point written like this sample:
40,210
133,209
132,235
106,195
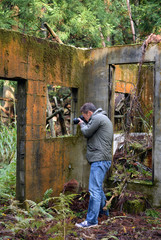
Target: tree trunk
102,37
61,120
131,21
8,108
49,112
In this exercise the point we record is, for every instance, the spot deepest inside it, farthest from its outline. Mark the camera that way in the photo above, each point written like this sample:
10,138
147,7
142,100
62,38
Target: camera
76,120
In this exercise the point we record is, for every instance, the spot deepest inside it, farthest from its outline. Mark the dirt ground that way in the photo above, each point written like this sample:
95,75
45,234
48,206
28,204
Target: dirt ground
119,225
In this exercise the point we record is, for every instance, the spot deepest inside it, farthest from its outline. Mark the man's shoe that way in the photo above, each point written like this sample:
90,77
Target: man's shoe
85,224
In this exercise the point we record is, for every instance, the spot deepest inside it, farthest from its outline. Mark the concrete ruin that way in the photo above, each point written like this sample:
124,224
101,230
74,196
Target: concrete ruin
48,163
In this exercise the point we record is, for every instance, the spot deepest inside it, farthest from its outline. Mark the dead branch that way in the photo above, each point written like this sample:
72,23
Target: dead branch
8,99
114,218
54,114
152,38
53,33
4,110
116,193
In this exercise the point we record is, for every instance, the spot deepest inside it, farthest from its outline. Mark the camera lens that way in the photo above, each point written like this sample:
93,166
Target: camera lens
75,120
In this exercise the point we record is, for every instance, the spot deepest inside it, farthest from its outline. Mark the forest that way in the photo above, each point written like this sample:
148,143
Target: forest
82,24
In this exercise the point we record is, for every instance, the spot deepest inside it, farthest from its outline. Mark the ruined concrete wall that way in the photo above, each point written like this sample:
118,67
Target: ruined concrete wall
133,54
96,83
34,63
42,163
99,89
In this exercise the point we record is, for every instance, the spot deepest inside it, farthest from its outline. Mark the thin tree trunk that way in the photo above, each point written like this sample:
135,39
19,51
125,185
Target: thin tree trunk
61,119
8,92
131,21
102,37
49,112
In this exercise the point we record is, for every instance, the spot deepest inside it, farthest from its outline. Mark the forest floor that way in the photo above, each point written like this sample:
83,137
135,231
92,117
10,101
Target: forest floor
119,225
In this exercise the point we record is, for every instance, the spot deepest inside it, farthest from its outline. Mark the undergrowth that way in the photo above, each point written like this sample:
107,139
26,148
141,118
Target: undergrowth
51,211
8,143
8,140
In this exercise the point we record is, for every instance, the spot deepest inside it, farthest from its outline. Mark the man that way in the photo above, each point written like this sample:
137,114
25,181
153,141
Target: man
99,133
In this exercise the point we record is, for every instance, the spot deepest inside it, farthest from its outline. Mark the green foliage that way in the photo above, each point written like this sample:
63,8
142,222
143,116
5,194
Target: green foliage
152,213
59,92
37,215
62,208
8,180
47,194
83,23
146,15
8,136
8,143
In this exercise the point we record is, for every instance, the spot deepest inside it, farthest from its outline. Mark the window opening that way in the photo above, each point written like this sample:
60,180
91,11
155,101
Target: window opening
61,109
133,119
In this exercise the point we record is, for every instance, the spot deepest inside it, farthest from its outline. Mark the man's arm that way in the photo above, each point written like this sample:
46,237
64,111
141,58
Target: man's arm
90,128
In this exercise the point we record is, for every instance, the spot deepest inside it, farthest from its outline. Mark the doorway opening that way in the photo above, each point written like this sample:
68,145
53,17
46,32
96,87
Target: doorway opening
12,134
133,120
8,136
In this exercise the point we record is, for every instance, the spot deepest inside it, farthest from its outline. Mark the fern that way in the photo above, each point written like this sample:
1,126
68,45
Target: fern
8,143
35,209
8,180
47,194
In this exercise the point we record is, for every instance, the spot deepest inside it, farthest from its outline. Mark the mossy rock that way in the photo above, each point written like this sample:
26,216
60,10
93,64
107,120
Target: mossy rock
135,206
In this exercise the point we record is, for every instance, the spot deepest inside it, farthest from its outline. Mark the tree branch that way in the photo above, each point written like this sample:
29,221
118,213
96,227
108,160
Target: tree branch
53,33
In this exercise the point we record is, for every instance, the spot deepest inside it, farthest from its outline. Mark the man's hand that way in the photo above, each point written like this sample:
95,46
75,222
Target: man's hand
80,121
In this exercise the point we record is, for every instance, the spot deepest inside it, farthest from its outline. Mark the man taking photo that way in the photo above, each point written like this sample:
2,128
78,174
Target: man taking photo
99,133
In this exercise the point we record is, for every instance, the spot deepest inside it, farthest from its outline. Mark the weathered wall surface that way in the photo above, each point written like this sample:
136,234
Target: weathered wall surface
98,69
96,84
42,163
133,54
34,63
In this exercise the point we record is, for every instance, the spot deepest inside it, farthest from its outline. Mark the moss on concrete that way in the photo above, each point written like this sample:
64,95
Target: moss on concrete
47,54
134,206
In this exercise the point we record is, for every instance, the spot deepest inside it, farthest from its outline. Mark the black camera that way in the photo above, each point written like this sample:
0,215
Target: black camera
76,120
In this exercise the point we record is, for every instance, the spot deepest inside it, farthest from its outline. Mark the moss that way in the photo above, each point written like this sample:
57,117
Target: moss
135,206
6,37
50,56
62,139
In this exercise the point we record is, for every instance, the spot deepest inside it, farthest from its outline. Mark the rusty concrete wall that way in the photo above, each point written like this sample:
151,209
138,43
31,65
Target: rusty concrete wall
98,65
42,163
133,54
34,63
125,78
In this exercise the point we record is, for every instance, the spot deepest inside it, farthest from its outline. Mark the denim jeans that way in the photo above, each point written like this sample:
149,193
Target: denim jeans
97,197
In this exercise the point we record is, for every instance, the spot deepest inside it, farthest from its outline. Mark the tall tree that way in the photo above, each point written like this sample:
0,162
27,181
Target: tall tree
84,23
131,20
